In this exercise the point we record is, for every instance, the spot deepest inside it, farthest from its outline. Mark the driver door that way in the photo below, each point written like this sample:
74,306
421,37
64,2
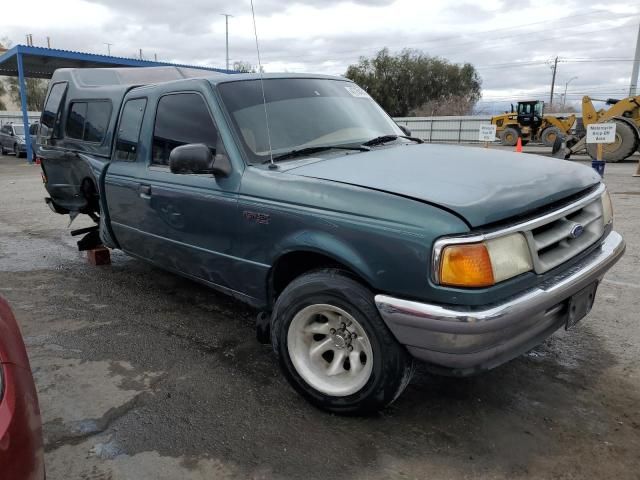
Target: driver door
183,222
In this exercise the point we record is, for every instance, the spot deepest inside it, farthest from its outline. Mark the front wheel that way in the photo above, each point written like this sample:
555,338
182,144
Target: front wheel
509,136
549,135
334,348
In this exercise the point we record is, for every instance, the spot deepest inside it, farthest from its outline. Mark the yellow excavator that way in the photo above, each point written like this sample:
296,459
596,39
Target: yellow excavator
624,113
529,122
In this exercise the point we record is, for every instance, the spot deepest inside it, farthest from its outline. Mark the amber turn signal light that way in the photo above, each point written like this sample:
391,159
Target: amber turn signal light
467,265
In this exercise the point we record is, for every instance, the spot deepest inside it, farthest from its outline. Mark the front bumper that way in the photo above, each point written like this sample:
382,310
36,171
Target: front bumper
463,341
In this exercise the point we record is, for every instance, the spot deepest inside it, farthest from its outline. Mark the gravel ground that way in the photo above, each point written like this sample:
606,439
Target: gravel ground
145,375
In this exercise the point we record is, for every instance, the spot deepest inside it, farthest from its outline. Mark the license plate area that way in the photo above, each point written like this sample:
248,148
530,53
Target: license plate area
580,305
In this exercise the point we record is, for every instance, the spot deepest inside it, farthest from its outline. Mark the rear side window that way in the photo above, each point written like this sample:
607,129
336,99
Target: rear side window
181,119
75,120
50,118
129,129
88,121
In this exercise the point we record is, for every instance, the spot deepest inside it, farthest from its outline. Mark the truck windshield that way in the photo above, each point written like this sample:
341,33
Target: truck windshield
18,129
303,113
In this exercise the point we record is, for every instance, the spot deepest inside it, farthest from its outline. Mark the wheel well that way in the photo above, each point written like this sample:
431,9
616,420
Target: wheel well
293,264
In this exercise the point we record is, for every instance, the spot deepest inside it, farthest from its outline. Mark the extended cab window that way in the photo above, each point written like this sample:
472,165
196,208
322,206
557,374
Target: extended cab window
88,121
181,119
129,129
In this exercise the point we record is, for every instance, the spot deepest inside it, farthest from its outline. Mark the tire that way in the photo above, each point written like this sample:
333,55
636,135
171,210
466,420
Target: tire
626,143
2,150
509,136
549,135
308,314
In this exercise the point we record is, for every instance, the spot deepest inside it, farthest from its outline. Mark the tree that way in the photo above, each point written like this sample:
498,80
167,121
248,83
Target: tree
412,82
3,92
36,92
559,107
36,88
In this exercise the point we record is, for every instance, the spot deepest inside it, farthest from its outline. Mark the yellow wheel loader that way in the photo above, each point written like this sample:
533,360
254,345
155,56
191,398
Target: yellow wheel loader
624,113
528,122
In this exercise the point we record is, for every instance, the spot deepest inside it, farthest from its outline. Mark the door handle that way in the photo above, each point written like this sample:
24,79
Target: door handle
144,191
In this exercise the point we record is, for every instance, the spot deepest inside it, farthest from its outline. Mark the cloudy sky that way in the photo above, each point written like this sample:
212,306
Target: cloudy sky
510,42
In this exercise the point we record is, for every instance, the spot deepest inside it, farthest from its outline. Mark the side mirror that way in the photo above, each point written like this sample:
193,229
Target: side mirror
406,131
198,158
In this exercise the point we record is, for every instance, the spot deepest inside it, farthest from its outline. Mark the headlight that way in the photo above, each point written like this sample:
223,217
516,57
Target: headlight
607,208
482,264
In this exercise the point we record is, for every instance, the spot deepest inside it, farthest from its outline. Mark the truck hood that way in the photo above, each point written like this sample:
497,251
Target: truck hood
479,184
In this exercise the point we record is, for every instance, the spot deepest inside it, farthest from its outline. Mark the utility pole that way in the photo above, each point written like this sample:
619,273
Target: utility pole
48,42
553,80
226,22
564,98
636,64
108,48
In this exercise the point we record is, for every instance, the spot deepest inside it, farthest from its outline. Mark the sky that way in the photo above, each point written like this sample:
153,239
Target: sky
511,43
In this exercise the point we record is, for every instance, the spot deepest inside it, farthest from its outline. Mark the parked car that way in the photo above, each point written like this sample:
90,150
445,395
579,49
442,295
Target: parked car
12,140
364,248
21,447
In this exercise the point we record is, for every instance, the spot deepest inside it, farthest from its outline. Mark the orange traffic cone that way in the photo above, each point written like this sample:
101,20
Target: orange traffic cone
519,145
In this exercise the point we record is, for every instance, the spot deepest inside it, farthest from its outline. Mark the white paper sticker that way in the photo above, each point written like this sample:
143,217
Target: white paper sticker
356,91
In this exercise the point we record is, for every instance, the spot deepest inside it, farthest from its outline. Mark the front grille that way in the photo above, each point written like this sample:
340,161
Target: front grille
560,238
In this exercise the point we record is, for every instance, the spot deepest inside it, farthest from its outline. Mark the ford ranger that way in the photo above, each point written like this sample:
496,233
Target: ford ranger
363,248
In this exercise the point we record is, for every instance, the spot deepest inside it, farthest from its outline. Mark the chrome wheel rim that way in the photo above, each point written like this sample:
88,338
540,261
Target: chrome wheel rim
330,350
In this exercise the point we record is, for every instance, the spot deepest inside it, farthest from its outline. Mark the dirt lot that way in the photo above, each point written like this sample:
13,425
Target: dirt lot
145,375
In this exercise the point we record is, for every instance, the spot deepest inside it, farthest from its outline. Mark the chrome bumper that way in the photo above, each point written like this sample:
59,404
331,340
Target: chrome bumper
466,340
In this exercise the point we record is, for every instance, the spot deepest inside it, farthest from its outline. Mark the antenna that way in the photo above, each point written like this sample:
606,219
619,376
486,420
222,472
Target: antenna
264,100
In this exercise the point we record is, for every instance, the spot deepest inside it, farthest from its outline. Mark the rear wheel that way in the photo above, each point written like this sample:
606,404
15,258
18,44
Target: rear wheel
510,136
334,348
549,135
625,144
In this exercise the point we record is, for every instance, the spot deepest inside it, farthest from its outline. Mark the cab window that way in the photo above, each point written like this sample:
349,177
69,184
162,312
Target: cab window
182,118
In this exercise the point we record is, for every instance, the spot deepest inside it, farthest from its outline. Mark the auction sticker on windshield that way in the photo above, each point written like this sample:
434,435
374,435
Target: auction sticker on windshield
356,91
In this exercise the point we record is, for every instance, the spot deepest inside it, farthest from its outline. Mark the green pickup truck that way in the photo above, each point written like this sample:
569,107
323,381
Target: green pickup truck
363,248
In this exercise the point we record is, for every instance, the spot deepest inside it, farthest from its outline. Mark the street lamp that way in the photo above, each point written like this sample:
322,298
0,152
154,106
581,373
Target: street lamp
226,22
564,100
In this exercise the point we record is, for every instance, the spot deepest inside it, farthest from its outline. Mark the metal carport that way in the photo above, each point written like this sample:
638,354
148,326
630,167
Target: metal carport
38,62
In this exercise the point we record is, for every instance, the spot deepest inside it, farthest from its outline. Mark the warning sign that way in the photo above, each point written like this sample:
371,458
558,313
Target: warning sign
601,133
487,133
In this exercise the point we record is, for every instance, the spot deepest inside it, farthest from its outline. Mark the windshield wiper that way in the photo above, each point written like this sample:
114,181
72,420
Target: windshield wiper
311,150
389,138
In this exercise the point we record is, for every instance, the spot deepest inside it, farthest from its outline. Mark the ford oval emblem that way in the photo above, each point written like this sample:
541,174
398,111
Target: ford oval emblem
576,231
